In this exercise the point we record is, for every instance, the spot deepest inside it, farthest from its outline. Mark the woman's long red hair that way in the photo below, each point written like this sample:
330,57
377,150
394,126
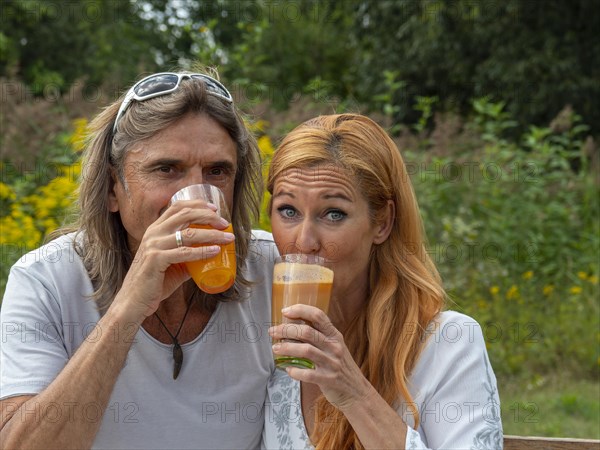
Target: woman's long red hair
405,295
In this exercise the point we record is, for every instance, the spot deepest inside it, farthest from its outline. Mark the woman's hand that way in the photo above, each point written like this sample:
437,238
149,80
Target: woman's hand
337,375
157,269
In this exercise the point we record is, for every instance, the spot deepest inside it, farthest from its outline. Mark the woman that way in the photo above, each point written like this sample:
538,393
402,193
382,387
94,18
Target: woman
392,370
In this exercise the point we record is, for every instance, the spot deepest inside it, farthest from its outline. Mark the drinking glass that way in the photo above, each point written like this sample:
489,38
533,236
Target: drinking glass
215,274
299,278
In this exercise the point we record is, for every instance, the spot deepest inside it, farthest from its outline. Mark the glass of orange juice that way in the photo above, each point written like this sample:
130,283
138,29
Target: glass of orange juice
216,274
299,278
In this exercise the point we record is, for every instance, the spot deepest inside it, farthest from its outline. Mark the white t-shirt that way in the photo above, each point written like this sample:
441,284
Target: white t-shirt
452,384
217,400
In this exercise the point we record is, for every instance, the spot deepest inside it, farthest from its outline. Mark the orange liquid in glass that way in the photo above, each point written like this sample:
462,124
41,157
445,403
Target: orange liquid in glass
217,274
316,291
308,293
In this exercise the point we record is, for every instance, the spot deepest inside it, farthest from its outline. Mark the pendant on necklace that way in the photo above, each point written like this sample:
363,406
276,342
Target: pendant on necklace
177,359
177,350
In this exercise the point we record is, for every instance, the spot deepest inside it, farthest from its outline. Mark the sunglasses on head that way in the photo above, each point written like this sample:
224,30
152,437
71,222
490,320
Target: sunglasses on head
165,83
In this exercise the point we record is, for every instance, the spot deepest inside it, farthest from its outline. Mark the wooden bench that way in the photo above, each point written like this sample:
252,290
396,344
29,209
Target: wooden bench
542,443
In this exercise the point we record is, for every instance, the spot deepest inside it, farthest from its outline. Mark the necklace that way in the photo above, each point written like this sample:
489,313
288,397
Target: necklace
177,351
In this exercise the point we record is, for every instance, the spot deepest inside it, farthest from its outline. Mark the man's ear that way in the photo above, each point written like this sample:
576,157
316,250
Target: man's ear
113,202
385,223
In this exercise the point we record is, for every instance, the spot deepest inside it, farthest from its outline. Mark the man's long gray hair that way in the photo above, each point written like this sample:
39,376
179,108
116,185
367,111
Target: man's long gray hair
101,237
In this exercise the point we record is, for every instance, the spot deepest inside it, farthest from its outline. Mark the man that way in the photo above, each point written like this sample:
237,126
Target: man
106,341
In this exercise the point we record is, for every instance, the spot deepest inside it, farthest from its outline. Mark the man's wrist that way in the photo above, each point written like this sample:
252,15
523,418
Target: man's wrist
122,320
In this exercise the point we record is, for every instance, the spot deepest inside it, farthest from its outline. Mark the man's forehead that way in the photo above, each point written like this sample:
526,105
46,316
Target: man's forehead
198,154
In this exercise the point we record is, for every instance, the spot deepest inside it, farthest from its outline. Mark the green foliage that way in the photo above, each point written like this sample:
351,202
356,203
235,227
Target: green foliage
293,47
385,98
53,44
425,106
514,232
491,120
536,57
454,51
36,202
555,406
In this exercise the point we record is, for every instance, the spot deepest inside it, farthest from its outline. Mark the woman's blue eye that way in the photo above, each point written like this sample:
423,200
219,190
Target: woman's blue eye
335,215
287,212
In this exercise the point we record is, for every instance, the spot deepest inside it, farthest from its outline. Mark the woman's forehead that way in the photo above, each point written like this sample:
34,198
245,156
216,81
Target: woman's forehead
316,173
331,179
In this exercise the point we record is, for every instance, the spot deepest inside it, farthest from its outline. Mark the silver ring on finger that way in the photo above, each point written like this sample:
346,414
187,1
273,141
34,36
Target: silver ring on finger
178,238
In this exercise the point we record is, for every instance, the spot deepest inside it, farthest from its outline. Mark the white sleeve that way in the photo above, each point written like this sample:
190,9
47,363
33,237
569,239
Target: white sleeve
46,314
454,388
32,351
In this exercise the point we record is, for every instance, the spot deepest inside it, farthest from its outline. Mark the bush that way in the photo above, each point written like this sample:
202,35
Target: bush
514,231
36,202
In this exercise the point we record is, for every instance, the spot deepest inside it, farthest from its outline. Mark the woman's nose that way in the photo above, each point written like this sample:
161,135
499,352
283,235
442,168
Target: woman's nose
307,240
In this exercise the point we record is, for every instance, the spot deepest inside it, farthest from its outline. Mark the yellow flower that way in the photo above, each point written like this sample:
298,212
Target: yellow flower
265,145
494,290
582,275
260,125
19,230
6,192
575,290
49,225
7,225
75,171
593,279
267,150
15,211
512,293
548,289
527,275
77,139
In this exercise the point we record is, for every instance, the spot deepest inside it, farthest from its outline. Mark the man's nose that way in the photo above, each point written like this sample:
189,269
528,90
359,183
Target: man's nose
194,176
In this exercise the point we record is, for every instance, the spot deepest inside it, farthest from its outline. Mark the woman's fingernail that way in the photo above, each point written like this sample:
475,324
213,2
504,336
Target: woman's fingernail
276,347
212,206
286,309
223,222
229,237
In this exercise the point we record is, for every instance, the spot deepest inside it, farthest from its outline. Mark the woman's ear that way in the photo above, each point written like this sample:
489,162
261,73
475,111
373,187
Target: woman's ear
385,222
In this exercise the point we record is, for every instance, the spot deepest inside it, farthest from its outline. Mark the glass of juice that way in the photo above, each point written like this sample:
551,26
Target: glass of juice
216,274
299,278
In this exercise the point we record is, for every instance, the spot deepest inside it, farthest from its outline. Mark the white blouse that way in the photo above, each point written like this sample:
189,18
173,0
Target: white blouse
453,386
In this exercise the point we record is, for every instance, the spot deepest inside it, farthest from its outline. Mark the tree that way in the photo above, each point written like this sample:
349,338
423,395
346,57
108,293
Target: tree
56,43
536,56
